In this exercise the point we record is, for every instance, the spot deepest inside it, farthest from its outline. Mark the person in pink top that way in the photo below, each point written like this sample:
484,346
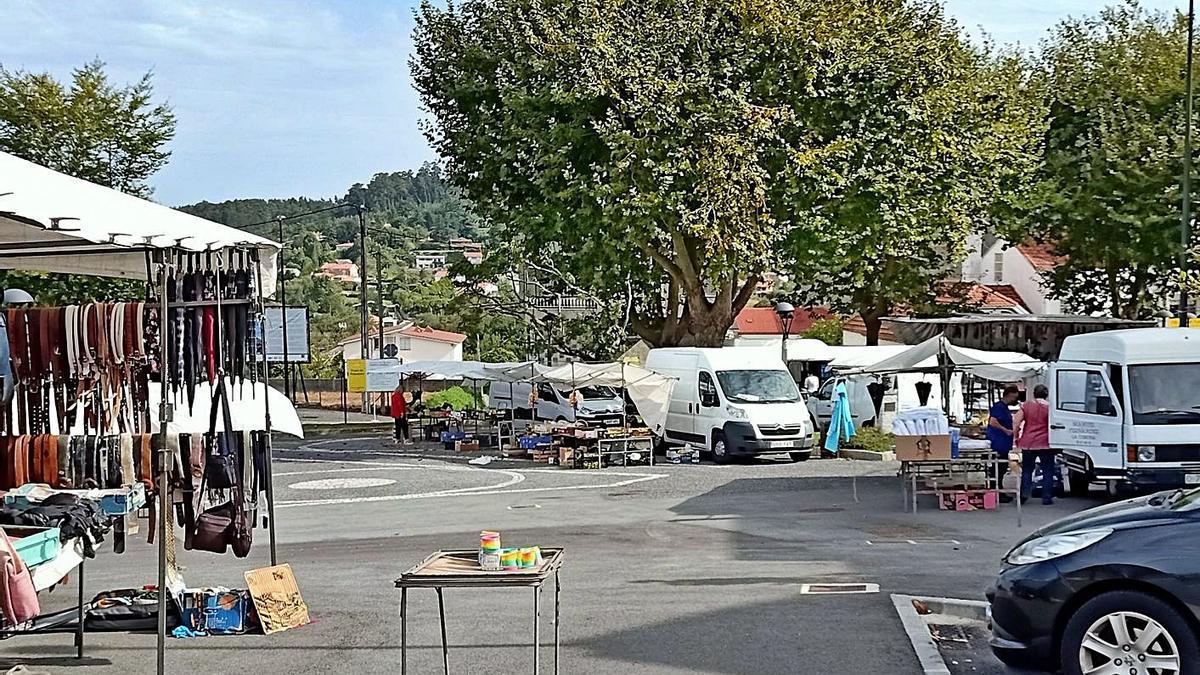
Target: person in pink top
1032,427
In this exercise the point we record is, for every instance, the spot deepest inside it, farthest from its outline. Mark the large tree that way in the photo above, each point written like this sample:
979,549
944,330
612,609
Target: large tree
90,128
629,147
662,155
1108,194
923,137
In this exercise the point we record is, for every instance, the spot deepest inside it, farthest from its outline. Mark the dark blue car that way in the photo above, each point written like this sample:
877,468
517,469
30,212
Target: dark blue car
1111,590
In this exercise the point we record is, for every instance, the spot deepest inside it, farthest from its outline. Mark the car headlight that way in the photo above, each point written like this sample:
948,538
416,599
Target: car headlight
735,412
1054,546
1146,453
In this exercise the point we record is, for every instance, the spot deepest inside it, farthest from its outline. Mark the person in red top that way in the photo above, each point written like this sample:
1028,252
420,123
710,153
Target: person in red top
1032,425
399,410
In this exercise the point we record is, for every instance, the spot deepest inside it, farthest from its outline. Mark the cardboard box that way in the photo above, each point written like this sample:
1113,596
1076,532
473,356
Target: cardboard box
217,610
968,500
922,448
466,446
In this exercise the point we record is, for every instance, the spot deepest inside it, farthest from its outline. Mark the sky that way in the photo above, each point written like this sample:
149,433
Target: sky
284,98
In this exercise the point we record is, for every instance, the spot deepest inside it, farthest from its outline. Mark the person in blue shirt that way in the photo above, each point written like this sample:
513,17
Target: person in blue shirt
1000,429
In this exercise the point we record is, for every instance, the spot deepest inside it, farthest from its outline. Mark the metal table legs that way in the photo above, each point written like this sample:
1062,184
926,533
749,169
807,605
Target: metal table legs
537,596
80,617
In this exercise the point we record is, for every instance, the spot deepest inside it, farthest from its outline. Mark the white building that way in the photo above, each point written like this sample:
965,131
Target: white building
430,260
412,343
1022,266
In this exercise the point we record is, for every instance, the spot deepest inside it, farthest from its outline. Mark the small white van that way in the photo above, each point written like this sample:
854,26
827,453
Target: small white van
1125,408
595,405
734,401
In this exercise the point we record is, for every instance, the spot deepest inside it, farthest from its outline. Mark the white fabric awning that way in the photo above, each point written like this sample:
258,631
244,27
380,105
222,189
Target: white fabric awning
995,366
247,407
649,391
474,370
63,224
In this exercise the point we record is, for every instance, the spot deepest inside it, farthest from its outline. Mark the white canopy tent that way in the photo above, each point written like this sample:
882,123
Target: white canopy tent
995,366
474,370
649,391
52,222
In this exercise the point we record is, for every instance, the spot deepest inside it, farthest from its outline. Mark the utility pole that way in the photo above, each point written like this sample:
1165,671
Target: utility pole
1186,223
379,290
365,317
287,379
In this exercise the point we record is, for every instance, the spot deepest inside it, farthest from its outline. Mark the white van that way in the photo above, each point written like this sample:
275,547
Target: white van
1125,407
734,401
595,405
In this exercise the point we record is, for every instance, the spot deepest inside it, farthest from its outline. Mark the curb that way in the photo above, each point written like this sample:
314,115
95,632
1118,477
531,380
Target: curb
867,455
313,430
926,649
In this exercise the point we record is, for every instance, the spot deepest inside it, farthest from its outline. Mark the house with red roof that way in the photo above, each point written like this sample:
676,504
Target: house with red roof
411,342
1000,265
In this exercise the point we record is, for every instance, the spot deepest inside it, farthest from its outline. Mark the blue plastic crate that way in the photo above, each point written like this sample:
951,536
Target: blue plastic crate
451,436
531,442
36,545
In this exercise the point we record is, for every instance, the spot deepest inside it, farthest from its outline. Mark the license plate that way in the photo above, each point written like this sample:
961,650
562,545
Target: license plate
1191,479
783,444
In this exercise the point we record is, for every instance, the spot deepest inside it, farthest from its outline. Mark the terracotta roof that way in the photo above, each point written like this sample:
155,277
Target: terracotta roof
764,320
426,333
1041,256
995,296
855,324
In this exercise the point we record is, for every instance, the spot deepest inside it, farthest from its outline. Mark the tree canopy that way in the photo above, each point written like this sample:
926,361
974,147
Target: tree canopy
662,155
1107,191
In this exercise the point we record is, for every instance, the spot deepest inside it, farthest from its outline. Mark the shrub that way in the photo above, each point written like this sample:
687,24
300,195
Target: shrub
457,397
870,438
828,331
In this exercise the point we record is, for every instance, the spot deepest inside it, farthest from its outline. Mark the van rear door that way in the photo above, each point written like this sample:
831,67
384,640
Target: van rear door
1085,417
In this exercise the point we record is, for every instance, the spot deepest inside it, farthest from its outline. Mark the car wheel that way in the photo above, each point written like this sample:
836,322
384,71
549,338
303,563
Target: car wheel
799,456
1128,632
720,450
1112,489
1080,483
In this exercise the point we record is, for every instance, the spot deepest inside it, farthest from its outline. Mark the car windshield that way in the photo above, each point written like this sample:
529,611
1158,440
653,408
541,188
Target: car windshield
596,393
1156,396
1183,501
758,386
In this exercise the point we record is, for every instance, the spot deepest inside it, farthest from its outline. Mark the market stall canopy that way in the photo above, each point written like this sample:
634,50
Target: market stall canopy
1037,335
56,223
995,366
649,391
474,370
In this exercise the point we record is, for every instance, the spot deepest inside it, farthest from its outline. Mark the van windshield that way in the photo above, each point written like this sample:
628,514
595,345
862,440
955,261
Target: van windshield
597,392
758,386
1161,393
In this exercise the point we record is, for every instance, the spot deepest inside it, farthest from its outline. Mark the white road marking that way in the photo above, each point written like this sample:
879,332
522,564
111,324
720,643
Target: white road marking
341,483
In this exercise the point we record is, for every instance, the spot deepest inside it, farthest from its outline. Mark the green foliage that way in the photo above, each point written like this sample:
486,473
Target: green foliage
873,439
828,331
90,129
457,397
914,136
1107,192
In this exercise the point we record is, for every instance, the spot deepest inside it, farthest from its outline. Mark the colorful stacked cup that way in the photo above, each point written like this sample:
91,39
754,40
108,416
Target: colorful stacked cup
489,550
529,557
510,559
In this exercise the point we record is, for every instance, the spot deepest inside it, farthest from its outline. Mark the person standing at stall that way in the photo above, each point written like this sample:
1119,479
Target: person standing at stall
399,409
1032,424
1000,431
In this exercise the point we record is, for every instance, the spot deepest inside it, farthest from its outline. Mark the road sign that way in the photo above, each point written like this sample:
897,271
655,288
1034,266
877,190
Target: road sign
390,351
368,375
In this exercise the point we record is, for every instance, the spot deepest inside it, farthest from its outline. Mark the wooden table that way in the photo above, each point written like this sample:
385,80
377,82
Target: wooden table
968,462
460,569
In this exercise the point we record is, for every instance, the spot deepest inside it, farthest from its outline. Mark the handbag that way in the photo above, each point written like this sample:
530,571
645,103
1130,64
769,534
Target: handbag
19,601
226,525
220,463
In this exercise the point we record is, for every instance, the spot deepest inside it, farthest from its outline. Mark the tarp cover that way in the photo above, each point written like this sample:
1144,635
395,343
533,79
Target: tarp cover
474,370
995,366
649,391
247,406
34,201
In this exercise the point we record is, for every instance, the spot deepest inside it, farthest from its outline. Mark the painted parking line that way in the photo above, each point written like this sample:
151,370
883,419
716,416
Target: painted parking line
512,477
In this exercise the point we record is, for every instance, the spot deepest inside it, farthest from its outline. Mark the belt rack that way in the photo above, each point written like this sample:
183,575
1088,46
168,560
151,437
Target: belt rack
159,263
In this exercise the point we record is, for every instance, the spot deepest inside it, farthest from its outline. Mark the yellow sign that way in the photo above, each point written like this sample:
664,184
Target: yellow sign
356,375
1173,322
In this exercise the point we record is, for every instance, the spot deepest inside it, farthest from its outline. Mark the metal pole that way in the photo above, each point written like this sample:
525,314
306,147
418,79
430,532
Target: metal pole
379,290
287,381
270,451
1186,216
166,412
364,311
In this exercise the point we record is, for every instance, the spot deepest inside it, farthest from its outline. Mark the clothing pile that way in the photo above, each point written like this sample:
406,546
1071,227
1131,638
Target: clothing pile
74,516
927,421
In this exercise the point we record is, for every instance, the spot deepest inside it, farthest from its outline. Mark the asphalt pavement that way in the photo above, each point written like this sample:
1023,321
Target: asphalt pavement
669,569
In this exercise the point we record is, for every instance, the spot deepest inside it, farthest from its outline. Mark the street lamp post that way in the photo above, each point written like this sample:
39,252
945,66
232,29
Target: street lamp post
287,374
786,314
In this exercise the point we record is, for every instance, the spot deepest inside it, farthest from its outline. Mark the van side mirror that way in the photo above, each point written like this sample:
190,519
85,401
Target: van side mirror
709,399
1104,406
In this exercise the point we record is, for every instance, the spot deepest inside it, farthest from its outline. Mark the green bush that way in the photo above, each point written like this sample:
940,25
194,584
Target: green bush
828,331
870,438
457,397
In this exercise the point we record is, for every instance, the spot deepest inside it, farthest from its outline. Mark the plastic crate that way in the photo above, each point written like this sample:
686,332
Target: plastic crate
35,545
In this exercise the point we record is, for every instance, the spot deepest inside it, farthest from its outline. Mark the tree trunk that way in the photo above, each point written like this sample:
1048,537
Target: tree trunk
873,324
